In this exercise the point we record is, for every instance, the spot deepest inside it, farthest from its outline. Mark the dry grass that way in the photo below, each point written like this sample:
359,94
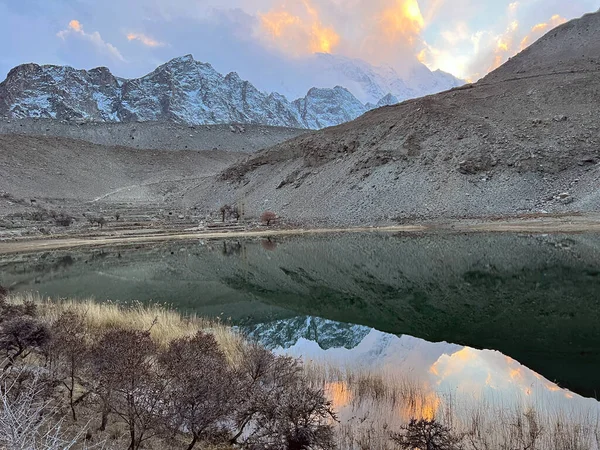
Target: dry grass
165,324
372,402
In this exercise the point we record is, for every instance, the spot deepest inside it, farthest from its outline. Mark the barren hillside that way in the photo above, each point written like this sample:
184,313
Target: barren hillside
524,139
157,135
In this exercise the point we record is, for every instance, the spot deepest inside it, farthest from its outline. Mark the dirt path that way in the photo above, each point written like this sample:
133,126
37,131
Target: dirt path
564,224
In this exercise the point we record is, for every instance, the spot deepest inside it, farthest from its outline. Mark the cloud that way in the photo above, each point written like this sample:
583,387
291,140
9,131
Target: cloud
539,29
147,41
75,28
297,28
471,49
268,41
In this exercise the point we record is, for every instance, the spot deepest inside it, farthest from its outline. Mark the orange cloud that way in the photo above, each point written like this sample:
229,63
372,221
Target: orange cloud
75,28
147,41
299,32
538,30
75,25
403,20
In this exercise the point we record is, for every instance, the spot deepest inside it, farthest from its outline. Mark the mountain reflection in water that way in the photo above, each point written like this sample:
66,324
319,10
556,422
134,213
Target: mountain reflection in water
426,380
535,298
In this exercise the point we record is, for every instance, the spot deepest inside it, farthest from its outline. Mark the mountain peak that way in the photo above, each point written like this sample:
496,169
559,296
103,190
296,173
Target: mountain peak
188,91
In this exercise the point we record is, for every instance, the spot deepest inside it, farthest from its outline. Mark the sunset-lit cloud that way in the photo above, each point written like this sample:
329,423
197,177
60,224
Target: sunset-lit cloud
470,52
299,31
75,28
538,30
272,42
146,40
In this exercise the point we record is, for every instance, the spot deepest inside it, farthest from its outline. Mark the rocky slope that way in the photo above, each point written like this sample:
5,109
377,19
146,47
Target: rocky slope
183,91
526,139
157,135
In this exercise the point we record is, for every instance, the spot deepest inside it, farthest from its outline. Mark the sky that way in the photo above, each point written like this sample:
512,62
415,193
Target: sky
264,40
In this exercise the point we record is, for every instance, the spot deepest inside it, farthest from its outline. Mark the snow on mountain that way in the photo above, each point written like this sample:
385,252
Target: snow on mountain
444,367
188,91
323,108
324,333
371,83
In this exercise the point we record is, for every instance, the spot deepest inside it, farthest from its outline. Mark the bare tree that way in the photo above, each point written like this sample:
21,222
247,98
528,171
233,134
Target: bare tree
280,410
201,387
225,211
426,434
19,335
124,367
68,353
268,217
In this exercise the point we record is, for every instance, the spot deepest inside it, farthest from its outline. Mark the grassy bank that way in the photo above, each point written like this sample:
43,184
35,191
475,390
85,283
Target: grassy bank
369,405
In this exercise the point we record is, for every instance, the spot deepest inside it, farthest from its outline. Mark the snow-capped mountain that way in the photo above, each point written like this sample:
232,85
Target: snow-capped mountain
371,83
188,91
325,333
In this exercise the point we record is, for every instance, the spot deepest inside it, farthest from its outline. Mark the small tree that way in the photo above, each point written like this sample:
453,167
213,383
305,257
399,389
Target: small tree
20,332
68,352
201,387
426,434
124,369
279,409
268,217
225,211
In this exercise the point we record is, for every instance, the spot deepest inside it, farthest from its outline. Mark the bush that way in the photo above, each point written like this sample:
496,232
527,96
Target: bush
123,367
280,410
64,220
20,335
426,434
268,217
202,397
101,221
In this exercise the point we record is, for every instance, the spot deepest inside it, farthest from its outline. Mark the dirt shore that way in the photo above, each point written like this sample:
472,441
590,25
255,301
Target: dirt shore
543,224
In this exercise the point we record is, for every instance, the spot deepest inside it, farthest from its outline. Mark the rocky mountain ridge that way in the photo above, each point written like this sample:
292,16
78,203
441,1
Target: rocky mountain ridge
183,91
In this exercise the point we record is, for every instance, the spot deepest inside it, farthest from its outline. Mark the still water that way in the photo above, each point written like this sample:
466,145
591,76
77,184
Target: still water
480,315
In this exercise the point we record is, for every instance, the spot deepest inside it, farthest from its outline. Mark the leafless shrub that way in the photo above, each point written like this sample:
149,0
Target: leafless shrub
3,293
268,217
100,221
426,434
64,220
19,335
29,420
68,352
127,382
280,409
201,395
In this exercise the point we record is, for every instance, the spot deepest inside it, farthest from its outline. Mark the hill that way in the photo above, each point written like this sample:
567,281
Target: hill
525,139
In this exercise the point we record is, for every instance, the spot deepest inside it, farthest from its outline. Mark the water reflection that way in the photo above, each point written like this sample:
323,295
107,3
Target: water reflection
378,381
534,298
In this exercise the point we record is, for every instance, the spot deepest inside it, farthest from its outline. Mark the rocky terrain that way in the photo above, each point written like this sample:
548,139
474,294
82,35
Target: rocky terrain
525,139
157,135
184,91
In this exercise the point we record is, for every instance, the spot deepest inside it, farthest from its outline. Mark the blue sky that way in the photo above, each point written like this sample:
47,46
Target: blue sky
265,39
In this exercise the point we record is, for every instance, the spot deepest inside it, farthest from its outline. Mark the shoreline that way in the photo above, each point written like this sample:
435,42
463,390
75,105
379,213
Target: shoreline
536,225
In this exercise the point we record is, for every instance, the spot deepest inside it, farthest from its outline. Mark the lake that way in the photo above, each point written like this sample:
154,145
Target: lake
503,314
